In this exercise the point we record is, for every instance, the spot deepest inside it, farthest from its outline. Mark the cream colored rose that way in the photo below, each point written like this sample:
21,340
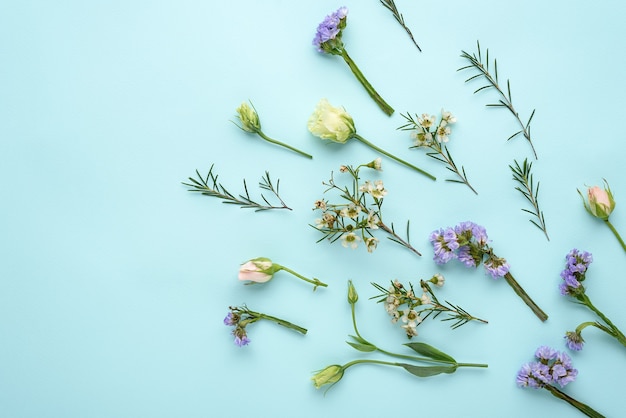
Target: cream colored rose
333,123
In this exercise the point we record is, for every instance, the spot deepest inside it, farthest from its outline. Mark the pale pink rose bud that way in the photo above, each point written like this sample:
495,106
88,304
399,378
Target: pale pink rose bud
258,270
601,202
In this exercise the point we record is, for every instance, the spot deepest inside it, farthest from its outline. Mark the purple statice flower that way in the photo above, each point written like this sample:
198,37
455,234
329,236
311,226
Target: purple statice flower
574,340
533,375
443,253
578,262
546,353
231,319
464,255
241,338
329,28
562,371
497,267
576,266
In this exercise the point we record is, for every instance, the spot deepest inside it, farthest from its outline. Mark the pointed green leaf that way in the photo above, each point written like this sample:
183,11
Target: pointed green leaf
429,351
367,348
427,371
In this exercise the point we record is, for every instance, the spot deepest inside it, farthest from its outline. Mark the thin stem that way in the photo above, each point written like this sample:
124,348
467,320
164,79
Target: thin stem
370,90
273,141
448,160
522,294
360,361
280,322
407,357
393,157
617,235
397,238
585,409
616,332
314,281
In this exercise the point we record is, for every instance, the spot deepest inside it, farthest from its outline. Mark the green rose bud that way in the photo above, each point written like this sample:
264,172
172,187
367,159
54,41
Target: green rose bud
333,123
331,374
249,118
353,297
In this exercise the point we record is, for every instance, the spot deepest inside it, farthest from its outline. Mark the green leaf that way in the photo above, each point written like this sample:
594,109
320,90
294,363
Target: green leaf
367,348
430,351
427,371
361,344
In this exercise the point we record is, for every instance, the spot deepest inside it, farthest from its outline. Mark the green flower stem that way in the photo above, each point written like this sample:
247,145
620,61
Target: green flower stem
273,141
370,90
279,321
522,294
407,357
369,144
615,331
360,361
315,282
619,238
581,327
585,409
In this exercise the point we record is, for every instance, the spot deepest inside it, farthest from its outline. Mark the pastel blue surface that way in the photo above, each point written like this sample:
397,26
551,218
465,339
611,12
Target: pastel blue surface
114,279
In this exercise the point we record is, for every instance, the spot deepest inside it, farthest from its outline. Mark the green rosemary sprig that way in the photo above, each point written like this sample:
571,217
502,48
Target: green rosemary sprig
208,186
505,101
391,6
524,177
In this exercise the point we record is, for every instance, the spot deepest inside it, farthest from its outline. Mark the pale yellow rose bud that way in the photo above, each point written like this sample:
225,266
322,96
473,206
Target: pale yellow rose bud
249,118
333,123
331,374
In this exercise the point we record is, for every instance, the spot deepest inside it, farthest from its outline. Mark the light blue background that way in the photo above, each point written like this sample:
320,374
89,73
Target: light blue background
114,279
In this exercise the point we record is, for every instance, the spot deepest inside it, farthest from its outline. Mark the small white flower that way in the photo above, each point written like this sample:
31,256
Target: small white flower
438,279
377,189
447,116
426,299
350,240
411,329
378,164
319,204
411,316
372,220
352,211
422,139
371,244
426,120
442,133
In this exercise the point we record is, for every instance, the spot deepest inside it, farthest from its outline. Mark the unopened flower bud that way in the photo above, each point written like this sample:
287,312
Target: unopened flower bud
600,202
258,270
376,164
249,118
331,374
353,296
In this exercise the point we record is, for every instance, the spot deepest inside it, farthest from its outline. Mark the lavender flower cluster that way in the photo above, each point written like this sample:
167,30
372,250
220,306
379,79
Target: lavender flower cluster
233,318
330,28
467,242
552,367
575,268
